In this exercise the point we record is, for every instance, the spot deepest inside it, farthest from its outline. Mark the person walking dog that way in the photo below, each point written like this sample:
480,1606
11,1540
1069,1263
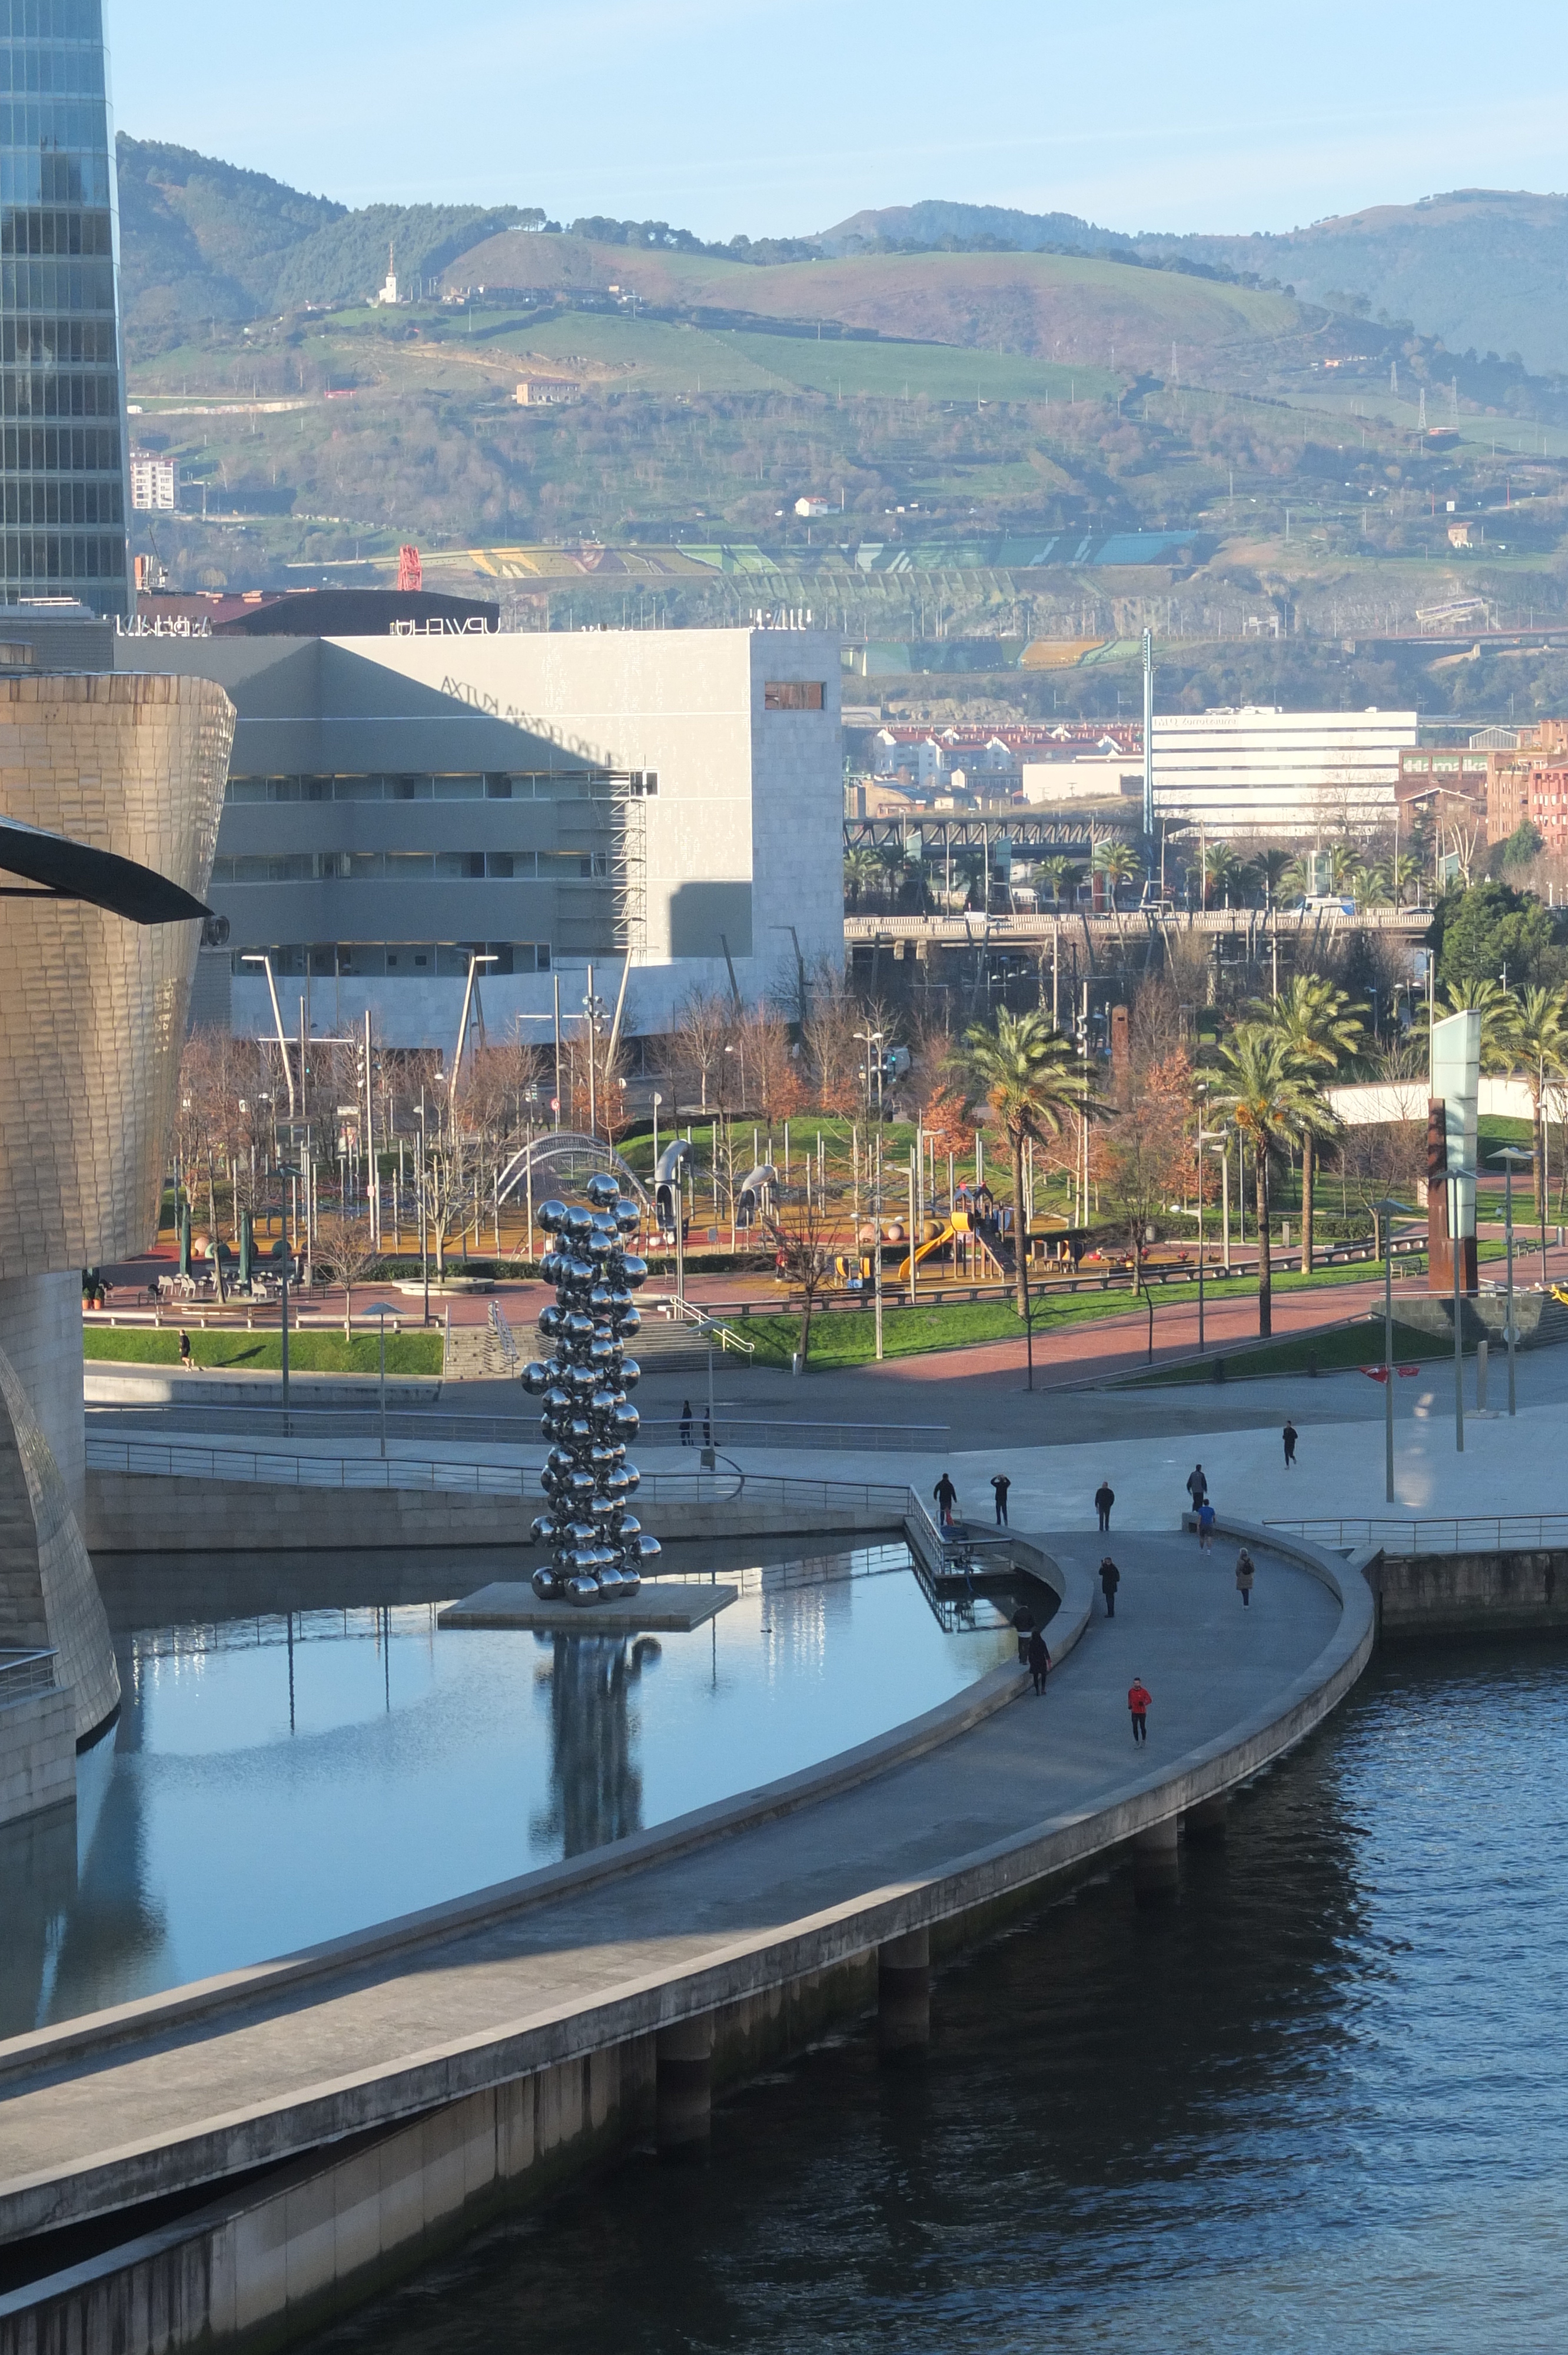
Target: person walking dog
945,1496
1110,1579
1137,1700
1244,1575
1105,1497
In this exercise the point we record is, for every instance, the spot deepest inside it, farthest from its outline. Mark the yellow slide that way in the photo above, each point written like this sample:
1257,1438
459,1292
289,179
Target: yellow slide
958,1224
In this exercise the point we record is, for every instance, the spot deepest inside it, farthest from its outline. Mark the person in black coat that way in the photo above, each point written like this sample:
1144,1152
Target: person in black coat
1039,1659
1105,1497
1110,1579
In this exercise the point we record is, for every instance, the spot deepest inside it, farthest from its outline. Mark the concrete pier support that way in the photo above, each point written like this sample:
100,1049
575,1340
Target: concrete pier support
1206,1824
904,1992
684,2089
1155,1867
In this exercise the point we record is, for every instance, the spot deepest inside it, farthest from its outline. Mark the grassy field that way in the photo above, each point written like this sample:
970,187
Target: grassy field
1347,1345
309,1353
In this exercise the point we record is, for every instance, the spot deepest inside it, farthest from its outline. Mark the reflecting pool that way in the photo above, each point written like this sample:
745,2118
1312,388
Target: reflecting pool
281,1778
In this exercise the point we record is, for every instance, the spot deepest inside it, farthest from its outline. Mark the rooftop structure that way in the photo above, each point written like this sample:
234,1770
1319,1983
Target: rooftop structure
1261,770
397,806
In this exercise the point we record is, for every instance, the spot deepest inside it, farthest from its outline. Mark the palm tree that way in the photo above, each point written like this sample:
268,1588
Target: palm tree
1061,874
1498,1010
1406,878
1033,1082
1118,863
1222,869
1269,870
1537,1047
1319,1029
1272,1104
862,872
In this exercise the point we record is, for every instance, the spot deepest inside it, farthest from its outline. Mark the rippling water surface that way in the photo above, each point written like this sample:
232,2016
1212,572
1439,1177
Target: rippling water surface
1318,2104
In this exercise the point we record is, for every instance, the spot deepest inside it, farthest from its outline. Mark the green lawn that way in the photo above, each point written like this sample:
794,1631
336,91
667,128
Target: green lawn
309,1353
1347,1345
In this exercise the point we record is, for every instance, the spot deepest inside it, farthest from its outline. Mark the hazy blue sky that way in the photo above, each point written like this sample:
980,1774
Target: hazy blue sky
724,115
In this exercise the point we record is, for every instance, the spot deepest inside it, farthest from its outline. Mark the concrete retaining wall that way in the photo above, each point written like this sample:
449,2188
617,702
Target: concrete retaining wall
37,1753
132,1512
1444,1595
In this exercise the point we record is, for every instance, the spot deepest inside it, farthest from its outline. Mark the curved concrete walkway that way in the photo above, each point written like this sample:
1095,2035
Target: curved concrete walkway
184,2089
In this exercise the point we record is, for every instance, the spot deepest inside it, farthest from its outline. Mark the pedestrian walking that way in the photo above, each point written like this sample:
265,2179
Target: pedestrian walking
184,1350
1288,1435
1205,1527
947,1496
685,1422
1197,1486
1110,1579
1245,1575
1137,1700
1105,1497
1039,1659
1001,1483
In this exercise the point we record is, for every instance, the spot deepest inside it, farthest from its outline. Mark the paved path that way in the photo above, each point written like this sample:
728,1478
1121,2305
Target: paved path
149,2108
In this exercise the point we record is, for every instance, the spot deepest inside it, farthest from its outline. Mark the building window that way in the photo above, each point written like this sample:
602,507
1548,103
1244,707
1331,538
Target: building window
792,695
397,960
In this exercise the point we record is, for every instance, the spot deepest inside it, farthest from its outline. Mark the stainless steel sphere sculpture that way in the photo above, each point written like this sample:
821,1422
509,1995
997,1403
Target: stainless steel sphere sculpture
597,1545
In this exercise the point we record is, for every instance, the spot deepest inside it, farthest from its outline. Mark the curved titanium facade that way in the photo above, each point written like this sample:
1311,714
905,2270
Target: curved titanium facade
62,431
95,1006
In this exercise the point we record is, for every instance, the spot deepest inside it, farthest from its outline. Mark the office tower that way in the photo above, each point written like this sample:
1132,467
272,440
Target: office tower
62,441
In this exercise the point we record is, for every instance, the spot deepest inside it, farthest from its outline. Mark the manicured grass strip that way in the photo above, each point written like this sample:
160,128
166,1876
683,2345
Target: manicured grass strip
309,1353
1347,1345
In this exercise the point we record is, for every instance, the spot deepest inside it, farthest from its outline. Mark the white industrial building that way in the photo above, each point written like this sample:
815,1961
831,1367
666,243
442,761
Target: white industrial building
1260,770
399,804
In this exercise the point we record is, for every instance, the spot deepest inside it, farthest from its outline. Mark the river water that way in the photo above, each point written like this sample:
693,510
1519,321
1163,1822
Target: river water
1317,2103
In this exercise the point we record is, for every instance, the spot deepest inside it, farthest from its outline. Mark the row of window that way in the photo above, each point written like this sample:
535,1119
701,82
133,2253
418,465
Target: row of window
53,557
474,786
59,449
57,343
56,286
51,72
42,393
42,178
32,230
51,20
59,122
43,502
414,865
398,960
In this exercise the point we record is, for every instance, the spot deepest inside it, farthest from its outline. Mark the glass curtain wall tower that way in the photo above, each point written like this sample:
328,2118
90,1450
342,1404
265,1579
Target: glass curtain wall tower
62,429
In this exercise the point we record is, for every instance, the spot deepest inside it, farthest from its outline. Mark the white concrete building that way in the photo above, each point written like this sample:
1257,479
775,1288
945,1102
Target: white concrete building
154,483
396,805
1096,777
1260,770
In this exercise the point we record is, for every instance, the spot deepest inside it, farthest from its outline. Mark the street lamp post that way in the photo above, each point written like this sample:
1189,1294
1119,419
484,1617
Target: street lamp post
1511,1157
382,1309
1455,1180
287,1169
875,1040
1384,1213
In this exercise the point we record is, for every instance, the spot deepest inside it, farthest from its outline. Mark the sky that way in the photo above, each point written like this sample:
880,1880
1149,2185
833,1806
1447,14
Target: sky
748,116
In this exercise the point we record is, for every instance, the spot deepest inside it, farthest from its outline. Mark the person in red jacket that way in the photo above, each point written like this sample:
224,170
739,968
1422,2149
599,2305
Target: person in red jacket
1137,1700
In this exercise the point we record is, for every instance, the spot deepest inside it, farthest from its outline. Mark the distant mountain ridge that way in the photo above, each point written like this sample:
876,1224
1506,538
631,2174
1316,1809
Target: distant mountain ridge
1484,268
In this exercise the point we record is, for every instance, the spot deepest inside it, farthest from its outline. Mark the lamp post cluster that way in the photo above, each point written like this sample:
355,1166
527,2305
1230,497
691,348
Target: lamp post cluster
598,1547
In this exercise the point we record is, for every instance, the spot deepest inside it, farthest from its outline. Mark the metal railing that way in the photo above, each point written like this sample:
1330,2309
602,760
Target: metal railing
433,1425
25,1675
510,1353
682,1311
175,1460
1453,1533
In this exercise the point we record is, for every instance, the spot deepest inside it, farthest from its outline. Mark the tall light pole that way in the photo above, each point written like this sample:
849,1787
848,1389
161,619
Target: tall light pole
382,1309
1457,1180
1512,1158
473,964
1384,1213
1149,736
266,962
875,1040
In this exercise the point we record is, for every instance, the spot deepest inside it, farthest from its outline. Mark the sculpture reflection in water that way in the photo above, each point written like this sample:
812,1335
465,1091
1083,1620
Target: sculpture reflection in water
597,1544
595,1789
